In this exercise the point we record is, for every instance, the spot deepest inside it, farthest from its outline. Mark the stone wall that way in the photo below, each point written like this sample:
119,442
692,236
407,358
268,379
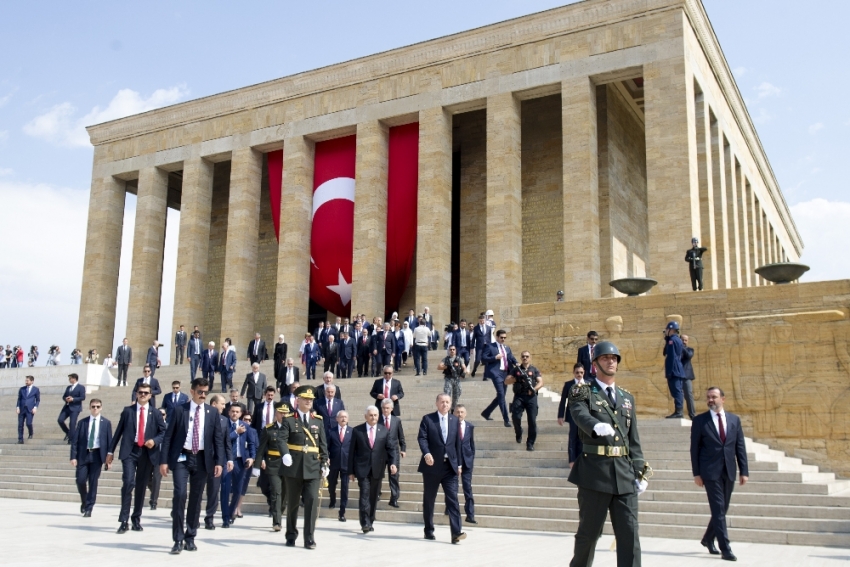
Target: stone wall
765,346
266,267
211,327
470,139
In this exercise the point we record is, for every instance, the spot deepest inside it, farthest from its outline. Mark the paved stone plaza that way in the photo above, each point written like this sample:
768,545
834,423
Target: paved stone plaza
73,540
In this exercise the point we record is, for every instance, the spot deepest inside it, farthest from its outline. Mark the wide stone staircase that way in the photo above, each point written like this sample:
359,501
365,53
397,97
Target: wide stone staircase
785,501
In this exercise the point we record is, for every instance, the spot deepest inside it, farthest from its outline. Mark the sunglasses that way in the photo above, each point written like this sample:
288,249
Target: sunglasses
202,393
143,393
502,337
525,356
147,371
95,407
388,373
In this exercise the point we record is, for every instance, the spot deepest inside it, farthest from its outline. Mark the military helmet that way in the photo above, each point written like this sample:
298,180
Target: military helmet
673,325
604,348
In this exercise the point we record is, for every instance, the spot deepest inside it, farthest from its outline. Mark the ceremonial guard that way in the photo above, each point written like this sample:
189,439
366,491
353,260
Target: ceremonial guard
610,472
269,455
305,456
694,259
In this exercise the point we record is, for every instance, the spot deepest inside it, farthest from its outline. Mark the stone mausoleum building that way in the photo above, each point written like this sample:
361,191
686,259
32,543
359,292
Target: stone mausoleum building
560,150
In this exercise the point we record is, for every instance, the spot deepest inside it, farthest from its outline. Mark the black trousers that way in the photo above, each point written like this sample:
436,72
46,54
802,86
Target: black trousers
330,366
122,374
392,480
696,277
338,475
468,500
420,358
478,352
190,477
369,488
277,493
65,414
527,404
136,470
24,417
88,473
719,494
178,354
213,496
362,366
154,485
344,368
498,401
296,490
442,476
593,508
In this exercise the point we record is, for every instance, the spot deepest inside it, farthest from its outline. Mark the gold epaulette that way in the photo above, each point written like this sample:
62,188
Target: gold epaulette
269,425
317,416
623,389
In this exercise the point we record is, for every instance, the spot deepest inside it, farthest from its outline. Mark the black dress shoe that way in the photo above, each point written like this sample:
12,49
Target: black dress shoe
82,508
710,546
332,505
508,424
342,518
189,545
29,436
394,504
674,416
209,526
487,417
226,524
177,548
87,514
471,520
239,516
290,543
123,528
153,506
309,545
729,557
519,437
430,537
137,526
459,537
20,441
366,529
529,447
66,438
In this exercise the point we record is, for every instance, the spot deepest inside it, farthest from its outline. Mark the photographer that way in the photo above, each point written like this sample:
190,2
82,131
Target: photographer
526,380
54,356
453,370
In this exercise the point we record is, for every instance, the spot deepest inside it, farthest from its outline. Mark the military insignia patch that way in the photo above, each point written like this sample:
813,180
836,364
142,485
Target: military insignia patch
627,404
579,392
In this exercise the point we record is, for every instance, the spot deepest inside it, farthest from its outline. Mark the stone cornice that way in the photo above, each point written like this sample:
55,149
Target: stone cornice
704,31
526,29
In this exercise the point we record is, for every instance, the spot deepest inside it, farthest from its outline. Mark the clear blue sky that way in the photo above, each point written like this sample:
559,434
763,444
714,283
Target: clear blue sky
67,64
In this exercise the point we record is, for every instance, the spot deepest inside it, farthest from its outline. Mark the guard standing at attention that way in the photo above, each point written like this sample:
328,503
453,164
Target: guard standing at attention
610,472
305,456
694,259
269,455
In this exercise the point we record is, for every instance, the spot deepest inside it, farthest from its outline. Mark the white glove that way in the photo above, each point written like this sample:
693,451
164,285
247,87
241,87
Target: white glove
325,472
603,429
641,486
255,472
287,460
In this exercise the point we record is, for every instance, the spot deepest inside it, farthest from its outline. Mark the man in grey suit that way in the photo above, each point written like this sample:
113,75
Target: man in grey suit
124,358
180,339
255,385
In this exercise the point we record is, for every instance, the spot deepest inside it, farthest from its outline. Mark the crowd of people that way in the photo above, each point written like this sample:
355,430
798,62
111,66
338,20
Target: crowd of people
14,357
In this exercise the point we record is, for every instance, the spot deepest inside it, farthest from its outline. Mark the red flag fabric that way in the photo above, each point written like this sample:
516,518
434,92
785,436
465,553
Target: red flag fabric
332,237
275,165
402,193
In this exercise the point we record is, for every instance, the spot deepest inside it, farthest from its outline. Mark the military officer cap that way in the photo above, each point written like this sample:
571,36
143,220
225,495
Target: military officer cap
283,408
604,348
305,392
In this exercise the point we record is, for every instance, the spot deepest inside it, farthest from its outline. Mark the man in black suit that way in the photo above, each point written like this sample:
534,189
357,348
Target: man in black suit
180,339
149,380
574,445
439,441
73,398
193,447
92,440
387,388
123,358
585,355
393,425
372,449
347,355
288,374
254,386
257,350
327,382
339,447
209,362
215,484
331,354
263,414
363,353
384,346
497,358
152,358
480,340
328,406
717,452
234,401
140,431
462,340
688,382
467,461
175,399
193,352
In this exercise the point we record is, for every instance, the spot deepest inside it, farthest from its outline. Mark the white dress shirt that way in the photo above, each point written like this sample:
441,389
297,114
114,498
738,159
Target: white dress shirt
605,387
201,418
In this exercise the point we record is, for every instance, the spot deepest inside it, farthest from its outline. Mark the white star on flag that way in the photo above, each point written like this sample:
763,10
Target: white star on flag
342,289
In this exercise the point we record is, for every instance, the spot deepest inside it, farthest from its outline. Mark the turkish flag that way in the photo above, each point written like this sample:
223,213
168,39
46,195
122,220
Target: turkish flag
402,192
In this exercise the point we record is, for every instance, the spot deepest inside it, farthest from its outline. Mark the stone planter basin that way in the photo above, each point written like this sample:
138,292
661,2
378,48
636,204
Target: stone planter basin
782,272
633,286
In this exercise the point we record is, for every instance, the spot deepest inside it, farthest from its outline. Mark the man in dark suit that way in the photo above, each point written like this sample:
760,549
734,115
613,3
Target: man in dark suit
288,374
152,358
387,388
412,319
467,461
173,400
193,353
718,451
139,433
462,339
180,339
73,397
331,354
209,362
497,358
439,441
150,381
574,443
234,401
226,366
216,491
319,334
372,449
193,447
384,346
26,407
673,370
254,386
263,414
364,352
312,355
328,406
91,442
243,452
339,446
688,382
585,355
123,358
257,350
396,431
327,381
347,355
480,340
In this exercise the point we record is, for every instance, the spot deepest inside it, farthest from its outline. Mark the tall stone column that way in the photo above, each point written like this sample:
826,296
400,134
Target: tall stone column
743,207
148,250
240,257
370,210
721,216
708,237
581,189
96,325
732,201
292,304
193,245
672,183
503,248
434,215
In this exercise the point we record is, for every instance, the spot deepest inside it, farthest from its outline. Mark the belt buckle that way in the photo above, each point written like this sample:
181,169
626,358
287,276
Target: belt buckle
304,449
614,451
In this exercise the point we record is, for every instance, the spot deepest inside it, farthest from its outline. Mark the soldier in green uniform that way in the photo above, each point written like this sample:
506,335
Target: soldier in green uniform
609,472
305,456
269,456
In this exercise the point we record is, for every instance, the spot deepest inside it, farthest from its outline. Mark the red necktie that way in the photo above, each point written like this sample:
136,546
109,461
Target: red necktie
386,390
329,408
268,413
140,432
592,363
722,429
371,437
387,422
341,434
196,434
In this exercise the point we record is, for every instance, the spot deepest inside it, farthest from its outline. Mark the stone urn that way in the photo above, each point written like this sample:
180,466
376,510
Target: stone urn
633,286
782,272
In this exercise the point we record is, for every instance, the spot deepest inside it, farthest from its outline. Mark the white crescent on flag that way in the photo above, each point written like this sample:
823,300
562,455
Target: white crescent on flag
336,188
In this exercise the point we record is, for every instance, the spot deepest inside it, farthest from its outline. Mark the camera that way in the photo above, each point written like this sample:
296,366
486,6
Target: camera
449,328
